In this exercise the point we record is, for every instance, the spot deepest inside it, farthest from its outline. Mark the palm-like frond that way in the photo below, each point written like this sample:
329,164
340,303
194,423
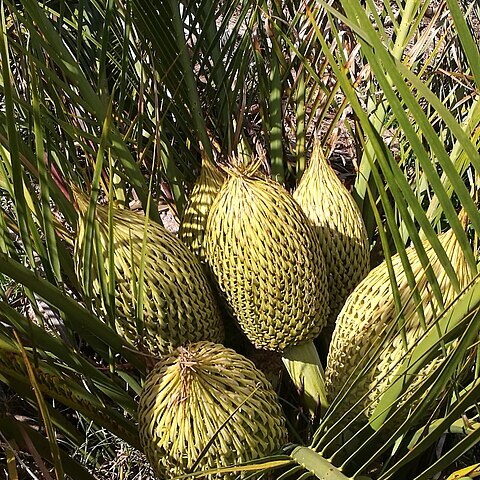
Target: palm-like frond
117,96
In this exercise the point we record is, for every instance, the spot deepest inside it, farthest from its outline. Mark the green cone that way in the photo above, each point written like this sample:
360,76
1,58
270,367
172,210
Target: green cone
340,228
207,399
192,226
268,262
178,303
369,314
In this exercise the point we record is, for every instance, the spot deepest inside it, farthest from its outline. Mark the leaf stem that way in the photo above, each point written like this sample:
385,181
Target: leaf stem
305,369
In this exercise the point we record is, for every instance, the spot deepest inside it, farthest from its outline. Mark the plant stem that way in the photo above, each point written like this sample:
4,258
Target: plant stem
316,464
305,369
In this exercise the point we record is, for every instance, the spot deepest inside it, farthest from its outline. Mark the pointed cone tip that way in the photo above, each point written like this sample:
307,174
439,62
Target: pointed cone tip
241,170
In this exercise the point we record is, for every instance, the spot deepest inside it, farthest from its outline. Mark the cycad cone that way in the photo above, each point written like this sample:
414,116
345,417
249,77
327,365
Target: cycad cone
203,393
178,303
340,228
370,313
268,263
206,188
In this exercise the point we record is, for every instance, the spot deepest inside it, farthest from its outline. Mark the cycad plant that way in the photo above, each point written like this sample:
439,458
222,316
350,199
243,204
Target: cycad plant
120,97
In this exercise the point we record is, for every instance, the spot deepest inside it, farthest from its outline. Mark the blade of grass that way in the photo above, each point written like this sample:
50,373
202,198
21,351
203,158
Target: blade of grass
24,389
65,387
95,332
447,459
42,406
90,224
16,168
48,229
17,430
52,43
378,54
55,346
189,79
470,46
406,124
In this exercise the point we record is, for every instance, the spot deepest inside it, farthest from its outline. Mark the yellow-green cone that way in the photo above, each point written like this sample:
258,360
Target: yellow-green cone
202,393
268,262
340,228
178,303
367,316
206,188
